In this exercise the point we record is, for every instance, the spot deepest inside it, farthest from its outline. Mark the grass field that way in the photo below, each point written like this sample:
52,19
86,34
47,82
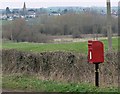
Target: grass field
80,47
32,83
4,22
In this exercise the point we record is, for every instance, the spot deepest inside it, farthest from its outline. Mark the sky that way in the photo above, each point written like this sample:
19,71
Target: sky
54,3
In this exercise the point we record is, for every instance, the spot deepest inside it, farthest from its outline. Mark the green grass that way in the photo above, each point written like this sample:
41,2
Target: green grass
36,47
4,22
80,47
32,83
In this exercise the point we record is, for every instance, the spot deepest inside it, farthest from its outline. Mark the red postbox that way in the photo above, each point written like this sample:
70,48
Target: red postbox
95,52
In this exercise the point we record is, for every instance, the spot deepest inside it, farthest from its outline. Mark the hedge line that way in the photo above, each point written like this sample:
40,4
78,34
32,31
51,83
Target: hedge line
61,66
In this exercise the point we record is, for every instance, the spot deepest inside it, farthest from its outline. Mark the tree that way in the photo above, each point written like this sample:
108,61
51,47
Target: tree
65,11
7,11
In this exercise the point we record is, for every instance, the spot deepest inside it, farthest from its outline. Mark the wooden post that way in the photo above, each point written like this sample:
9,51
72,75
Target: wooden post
109,30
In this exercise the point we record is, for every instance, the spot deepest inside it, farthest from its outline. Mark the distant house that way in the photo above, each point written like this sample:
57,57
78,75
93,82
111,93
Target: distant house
15,11
54,13
3,17
31,13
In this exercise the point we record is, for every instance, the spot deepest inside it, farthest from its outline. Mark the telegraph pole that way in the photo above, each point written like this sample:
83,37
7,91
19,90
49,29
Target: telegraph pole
119,18
109,30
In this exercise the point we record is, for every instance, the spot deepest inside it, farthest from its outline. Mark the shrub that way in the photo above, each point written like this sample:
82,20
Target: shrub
62,66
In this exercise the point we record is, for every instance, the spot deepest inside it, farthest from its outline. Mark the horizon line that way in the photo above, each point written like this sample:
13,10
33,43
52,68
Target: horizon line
60,6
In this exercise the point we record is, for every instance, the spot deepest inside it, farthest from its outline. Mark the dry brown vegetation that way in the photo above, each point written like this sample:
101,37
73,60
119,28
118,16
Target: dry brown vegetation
61,66
39,29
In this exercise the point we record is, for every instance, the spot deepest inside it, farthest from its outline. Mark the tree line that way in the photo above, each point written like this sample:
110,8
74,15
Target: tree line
39,29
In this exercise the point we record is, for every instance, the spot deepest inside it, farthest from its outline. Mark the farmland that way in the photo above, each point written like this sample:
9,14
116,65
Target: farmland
47,51
34,82
79,47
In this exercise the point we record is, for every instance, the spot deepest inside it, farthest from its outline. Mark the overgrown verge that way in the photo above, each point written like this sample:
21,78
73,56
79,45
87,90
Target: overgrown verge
61,66
29,83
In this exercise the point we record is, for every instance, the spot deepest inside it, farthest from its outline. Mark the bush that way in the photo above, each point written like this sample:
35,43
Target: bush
62,66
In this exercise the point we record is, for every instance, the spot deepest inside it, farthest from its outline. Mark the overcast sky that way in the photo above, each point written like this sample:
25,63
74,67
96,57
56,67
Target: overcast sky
52,3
